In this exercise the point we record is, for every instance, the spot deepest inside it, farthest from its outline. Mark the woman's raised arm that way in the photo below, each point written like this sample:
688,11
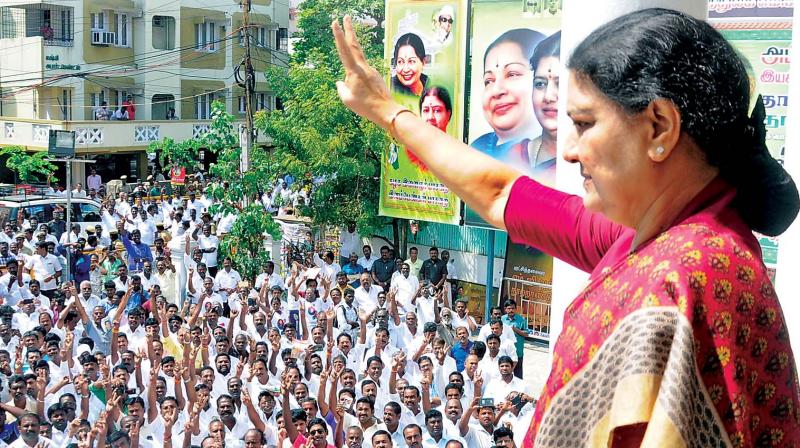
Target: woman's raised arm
479,180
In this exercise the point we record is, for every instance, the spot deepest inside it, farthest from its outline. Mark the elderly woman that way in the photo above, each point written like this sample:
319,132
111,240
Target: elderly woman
678,339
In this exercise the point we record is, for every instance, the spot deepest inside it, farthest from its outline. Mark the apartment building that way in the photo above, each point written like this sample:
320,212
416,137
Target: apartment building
60,60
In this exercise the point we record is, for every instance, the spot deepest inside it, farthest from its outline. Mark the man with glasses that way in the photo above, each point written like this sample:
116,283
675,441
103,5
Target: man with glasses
443,25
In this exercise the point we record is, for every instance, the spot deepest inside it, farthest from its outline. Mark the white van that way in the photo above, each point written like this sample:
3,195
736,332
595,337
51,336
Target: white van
85,211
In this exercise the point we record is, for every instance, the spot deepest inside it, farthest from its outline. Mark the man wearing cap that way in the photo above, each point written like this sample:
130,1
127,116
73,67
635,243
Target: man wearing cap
138,252
25,242
45,268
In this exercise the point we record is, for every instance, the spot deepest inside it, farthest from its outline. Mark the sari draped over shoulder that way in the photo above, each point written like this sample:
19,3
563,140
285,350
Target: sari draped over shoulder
681,342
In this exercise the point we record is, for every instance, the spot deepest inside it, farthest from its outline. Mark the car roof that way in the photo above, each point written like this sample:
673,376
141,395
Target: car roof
19,198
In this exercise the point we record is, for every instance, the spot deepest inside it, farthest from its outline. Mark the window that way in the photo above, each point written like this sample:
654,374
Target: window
122,38
163,32
66,24
283,39
242,104
98,21
43,212
263,101
206,37
88,212
202,106
260,37
66,102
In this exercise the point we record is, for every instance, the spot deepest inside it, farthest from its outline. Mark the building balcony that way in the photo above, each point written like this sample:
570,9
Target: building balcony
103,136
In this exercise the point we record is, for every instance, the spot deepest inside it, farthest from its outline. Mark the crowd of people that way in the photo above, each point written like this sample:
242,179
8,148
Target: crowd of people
154,339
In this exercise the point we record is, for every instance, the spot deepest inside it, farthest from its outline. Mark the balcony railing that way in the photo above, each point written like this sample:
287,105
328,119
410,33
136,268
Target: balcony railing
91,136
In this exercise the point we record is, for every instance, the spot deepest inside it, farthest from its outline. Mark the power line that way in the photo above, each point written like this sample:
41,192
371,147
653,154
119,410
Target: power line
106,70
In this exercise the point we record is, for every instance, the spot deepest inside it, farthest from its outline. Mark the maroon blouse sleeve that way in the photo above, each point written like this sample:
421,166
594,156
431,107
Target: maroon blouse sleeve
558,224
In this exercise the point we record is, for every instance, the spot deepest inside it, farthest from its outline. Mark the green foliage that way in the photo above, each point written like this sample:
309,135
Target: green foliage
315,44
30,166
315,134
171,152
245,242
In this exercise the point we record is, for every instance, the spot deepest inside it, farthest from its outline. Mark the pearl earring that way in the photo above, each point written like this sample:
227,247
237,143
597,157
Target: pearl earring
660,150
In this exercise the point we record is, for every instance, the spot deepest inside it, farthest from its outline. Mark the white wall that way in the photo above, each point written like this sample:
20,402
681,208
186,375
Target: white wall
580,19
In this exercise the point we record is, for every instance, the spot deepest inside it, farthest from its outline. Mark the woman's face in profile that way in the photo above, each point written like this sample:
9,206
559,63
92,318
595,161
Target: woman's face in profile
545,93
508,89
434,112
409,66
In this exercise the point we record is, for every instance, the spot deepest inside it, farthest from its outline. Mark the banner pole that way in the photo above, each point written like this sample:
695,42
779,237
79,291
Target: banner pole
489,275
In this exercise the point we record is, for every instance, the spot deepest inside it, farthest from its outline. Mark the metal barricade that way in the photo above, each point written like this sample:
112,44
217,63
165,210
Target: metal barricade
533,302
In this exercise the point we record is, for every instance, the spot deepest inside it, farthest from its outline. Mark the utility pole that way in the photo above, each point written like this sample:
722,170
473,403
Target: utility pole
248,82
249,85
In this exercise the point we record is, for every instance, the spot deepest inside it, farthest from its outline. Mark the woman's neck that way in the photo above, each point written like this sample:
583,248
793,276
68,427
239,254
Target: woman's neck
548,149
671,201
516,133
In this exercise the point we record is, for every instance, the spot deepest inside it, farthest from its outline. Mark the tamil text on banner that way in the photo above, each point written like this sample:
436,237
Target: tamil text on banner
764,44
425,47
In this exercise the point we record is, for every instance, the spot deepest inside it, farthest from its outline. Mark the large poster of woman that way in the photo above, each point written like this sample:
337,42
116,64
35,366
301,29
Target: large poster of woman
513,116
516,63
425,48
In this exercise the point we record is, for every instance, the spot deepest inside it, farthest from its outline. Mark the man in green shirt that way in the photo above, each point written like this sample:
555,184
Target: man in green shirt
414,263
520,327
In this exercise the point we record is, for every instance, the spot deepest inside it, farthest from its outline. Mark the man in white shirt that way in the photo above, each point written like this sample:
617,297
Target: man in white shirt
328,268
29,424
366,295
227,280
367,260
500,387
44,267
209,245
461,317
405,287
350,242
507,333
78,192
269,277
165,273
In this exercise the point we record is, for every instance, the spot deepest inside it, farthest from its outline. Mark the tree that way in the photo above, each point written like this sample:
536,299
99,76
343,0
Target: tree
30,167
315,134
173,153
239,194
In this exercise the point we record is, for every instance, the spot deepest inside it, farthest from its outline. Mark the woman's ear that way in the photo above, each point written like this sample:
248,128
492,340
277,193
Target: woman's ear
665,119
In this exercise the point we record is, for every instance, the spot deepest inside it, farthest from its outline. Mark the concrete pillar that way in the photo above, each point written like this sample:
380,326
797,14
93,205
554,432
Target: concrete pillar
787,282
580,19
